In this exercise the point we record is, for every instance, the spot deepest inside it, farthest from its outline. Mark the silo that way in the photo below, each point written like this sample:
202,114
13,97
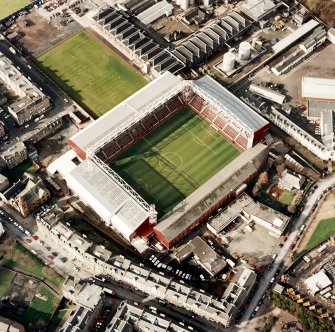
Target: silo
228,62
244,51
178,2
185,4
192,3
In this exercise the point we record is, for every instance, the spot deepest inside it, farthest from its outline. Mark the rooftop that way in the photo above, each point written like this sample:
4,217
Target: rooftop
204,254
318,88
111,201
89,296
256,9
245,204
317,282
212,191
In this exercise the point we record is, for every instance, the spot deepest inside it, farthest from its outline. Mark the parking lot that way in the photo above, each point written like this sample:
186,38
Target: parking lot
255,248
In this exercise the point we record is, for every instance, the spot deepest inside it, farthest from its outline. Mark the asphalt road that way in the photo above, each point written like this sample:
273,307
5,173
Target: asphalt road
284,254
170,311
37,78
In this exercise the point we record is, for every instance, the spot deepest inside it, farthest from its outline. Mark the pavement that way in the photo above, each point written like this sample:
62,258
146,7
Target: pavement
284,255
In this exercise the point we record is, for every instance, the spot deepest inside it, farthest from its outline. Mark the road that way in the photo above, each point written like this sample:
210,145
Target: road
175,313
284,254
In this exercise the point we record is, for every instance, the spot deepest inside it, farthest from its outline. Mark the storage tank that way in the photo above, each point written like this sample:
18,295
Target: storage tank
228,62
178,2
185,4
192,3
244,51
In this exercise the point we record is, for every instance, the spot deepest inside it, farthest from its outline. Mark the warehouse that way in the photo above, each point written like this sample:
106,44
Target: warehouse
314,88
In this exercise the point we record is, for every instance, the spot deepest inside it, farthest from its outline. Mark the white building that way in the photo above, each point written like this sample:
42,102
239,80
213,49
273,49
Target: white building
318,88
317,282
290,181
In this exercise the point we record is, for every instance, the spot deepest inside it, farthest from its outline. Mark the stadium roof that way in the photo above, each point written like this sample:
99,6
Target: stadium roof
100,191
293,37
211,192
231,103
127,109
318,88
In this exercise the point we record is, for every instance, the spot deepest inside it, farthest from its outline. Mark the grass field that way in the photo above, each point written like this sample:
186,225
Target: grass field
56,322
8,7
90,73
171,162
5,280
39,312
324,230
19,258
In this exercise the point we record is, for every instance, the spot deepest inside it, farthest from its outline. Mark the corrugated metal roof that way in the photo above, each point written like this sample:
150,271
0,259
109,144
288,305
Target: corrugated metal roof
318,88
128,108
232,104
155,12
100,191
295,36
211,192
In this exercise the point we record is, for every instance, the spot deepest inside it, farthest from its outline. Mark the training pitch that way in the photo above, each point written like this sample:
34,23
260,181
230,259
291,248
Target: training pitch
91,73
171,162
8,7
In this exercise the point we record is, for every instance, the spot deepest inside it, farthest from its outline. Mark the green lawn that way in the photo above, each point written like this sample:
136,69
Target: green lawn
286,197
5,280
324,230
56,322
17,257
39,312
91,73
8,7
16,173
171,162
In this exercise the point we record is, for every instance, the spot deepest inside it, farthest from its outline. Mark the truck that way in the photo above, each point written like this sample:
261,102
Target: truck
12,50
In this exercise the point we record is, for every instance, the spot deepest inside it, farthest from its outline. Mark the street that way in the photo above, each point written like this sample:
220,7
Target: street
284,254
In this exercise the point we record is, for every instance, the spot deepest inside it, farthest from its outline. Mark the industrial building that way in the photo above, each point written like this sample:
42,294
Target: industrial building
212,38
31,102
129,39
321,89
258,9
268,94
98,186
247,211
306,47
294,36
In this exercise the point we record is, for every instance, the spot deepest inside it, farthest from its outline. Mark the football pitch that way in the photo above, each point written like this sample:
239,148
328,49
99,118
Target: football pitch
8,7
175,159
91,74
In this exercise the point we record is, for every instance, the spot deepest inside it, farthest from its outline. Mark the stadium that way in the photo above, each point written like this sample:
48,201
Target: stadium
167,157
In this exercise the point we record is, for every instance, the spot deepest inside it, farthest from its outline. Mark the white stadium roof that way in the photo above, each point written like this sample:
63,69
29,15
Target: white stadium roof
231,103
127,109
318,88
100,191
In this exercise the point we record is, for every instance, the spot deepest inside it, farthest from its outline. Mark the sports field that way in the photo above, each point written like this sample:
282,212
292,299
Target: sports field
90,73
171,162
8,7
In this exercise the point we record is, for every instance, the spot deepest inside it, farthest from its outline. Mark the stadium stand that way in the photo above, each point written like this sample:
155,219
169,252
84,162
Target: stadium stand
129,121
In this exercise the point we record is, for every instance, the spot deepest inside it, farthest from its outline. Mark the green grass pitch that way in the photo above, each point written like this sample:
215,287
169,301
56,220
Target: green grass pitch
90,73
8,7
171,162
